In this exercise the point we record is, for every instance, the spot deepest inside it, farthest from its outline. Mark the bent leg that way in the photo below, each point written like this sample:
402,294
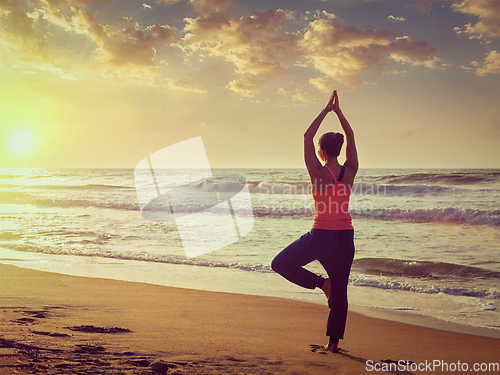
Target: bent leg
290,261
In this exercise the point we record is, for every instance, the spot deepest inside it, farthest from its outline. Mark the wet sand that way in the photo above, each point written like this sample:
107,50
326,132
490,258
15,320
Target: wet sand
59,324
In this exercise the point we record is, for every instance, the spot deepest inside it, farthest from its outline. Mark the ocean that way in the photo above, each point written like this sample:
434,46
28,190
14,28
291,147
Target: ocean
427,241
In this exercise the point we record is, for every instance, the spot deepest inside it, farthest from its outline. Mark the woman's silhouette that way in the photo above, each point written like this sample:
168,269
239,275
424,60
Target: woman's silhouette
331,239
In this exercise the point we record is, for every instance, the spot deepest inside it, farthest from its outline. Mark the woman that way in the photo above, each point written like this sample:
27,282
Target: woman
331,239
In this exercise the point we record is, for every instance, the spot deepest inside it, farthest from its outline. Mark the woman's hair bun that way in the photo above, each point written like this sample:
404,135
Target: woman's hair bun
331,143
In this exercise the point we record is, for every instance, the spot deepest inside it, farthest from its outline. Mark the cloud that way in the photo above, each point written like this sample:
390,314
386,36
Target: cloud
491,64
23,41
396,19
17,28
124,21
185,84
133,46
423,6
124,45
413,51
299,96
206,30
345,53
260,46
256,45
58,12
203,7
324,14
16,20
488,12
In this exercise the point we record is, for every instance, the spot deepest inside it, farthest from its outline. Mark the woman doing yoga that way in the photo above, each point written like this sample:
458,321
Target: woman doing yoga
331,239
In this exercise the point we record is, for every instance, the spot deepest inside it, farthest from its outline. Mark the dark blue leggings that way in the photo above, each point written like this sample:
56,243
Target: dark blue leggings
334,249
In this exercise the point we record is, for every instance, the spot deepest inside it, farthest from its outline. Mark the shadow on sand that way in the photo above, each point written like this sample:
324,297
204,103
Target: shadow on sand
387,365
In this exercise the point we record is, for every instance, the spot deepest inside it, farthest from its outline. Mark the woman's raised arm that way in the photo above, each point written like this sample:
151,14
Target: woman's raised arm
351,161
314,166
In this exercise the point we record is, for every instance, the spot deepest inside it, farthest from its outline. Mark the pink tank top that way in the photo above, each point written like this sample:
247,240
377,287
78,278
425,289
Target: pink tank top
331,206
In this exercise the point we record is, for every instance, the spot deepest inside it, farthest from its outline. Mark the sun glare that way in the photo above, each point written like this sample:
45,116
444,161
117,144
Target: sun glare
21,141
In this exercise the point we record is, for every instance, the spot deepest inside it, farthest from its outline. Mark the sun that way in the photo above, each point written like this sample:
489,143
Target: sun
21,141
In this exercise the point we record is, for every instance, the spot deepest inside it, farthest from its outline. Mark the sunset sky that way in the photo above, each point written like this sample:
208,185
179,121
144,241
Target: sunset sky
104,83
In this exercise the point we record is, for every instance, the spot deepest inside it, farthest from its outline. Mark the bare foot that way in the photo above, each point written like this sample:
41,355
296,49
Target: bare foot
327,288
333,347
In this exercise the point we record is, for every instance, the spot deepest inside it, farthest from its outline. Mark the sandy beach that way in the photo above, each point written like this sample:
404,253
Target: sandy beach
60,324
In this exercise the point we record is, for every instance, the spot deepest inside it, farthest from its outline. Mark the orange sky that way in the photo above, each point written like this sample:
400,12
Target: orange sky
97,83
